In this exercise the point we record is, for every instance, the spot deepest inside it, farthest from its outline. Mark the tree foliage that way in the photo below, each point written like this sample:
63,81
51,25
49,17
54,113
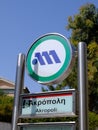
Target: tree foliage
6,106
84,27
93,120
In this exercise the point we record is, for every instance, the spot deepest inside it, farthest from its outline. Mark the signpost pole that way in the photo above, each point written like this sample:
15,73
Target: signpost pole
18,88
82,84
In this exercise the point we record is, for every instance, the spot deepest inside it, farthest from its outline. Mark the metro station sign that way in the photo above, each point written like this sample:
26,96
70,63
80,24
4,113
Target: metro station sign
50,59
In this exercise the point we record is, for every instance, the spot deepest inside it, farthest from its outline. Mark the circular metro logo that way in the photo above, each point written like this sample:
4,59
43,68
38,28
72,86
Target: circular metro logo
49,59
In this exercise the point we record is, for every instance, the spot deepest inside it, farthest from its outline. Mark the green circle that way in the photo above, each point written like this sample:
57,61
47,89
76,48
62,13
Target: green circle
64,67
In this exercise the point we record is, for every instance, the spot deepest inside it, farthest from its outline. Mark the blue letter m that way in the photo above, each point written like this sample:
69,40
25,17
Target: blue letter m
47,56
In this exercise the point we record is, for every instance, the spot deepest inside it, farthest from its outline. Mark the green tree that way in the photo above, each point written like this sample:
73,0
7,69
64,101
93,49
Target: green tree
93,120
84,27
6,106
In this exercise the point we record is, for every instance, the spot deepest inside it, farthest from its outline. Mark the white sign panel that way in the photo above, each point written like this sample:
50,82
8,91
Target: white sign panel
49,126
57,103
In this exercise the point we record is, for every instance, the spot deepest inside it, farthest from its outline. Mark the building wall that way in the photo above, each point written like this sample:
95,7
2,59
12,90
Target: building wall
5,126
7,87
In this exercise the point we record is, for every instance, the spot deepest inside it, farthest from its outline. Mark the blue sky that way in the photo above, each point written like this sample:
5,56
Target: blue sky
23,21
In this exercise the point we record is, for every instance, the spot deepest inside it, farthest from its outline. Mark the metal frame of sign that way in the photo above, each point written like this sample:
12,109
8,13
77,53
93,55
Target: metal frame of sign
82,85
52,125
45,95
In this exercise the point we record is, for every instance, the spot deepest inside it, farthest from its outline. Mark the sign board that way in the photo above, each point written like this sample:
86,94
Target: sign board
48,104
48,126
50,59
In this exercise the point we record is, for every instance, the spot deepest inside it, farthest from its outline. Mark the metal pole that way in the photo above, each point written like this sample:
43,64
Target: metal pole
19,83
82,84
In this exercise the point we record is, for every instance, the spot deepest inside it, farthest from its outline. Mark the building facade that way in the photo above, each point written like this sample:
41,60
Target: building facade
7,87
